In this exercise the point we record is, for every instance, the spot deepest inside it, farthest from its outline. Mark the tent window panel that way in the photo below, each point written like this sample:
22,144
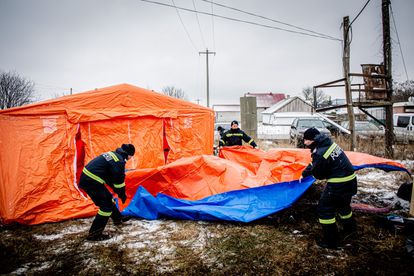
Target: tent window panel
189,136
143,132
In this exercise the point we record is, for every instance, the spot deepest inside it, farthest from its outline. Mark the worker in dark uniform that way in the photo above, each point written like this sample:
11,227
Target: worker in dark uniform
221,131
235,136
330,162
109,169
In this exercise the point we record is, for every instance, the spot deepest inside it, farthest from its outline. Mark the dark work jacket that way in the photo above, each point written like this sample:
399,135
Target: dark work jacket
234,137
330,162
109,168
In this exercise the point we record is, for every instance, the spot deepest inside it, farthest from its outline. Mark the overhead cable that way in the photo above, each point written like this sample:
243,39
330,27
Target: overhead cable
182,23
399,43
212,27
199,27
363,8
267,18
242,21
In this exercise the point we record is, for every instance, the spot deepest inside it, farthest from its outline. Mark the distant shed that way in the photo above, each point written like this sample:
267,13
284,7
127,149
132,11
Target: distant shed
265,101
225,113
293,104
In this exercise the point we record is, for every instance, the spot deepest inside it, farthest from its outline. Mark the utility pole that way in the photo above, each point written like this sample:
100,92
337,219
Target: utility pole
348,92
386,36
208,92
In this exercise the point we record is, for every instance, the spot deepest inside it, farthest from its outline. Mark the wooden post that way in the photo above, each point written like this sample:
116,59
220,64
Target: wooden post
348,92
412,199
389,128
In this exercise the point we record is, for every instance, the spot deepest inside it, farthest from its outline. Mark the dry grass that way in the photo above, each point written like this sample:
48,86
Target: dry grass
281,244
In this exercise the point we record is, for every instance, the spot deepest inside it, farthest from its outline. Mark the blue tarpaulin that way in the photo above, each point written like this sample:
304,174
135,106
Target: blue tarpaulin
242,205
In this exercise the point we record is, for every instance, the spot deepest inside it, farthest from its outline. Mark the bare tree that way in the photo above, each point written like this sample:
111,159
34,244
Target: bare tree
174,92
307,93
15,90
403,91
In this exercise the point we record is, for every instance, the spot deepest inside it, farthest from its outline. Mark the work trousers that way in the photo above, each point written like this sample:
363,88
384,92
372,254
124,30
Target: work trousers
336,198
104,200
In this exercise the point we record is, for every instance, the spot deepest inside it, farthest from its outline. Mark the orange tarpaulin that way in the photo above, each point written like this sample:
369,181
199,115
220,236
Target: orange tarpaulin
238,189
239,167
42,145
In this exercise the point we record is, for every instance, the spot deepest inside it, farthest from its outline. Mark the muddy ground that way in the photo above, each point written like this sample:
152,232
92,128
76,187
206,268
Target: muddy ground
281,244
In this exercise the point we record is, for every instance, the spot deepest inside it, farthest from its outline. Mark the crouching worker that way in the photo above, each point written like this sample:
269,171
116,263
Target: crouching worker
109,169
330,162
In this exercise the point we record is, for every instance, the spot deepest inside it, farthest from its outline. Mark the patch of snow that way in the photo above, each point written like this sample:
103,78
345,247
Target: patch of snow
91,262
21,270
32,267
136,245
75,229
48,237
376,176
371,190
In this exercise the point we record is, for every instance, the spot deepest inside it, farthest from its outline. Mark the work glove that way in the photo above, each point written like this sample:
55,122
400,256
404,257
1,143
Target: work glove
122,197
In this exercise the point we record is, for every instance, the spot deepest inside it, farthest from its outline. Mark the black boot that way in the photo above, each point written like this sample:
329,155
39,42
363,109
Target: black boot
330,238
123,219
349,226
116,216
98,225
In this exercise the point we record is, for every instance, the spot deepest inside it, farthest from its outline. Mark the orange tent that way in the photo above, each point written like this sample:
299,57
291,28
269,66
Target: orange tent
44,146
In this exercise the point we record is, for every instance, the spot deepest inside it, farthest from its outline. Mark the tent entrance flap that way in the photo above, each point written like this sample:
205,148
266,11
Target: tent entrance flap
165,145
80,155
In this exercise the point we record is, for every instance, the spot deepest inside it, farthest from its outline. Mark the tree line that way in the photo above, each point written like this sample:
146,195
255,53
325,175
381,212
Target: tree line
16,90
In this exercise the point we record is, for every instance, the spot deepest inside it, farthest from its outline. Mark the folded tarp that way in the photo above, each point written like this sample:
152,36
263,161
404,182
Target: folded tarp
244,185
241,205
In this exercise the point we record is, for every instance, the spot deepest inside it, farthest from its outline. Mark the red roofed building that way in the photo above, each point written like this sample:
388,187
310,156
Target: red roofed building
225,113
266,100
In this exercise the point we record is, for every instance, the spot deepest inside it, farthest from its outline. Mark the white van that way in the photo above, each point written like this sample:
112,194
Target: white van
404,120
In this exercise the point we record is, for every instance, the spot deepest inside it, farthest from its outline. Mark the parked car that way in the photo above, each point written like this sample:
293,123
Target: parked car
365,129
300,125
404,121
368,130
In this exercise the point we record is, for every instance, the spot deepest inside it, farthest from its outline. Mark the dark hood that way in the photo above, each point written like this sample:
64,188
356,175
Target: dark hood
122,153
322,140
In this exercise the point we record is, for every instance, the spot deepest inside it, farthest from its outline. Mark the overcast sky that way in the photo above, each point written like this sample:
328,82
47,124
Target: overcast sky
87,44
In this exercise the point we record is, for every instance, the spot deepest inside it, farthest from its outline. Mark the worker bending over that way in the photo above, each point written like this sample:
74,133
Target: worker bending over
108,168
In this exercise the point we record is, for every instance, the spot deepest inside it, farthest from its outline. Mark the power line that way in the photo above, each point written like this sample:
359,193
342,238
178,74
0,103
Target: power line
199,27
242,21
182,23
267,18
212,26
399,43
363,8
